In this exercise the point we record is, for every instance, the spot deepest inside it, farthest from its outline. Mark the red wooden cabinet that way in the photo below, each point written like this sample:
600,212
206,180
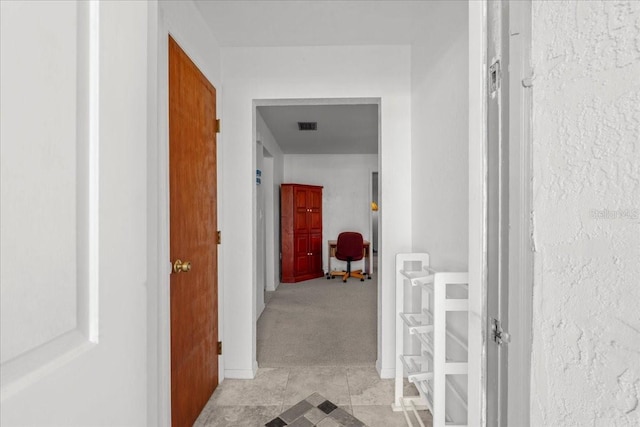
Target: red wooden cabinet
301,232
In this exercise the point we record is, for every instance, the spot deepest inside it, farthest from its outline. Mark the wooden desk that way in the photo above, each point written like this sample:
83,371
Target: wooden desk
366,259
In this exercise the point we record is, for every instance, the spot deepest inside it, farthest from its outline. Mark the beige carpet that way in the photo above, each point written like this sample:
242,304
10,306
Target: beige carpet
319,322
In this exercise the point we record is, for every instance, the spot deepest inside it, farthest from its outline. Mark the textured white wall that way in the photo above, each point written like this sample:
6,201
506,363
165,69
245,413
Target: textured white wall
586,133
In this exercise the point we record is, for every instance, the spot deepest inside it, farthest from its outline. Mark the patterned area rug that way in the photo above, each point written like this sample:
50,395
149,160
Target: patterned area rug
315,410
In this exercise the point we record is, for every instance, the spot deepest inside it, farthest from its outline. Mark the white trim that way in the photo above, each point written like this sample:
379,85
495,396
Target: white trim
477,210
242,374
94,173
520,253
160,316
32,366
388,373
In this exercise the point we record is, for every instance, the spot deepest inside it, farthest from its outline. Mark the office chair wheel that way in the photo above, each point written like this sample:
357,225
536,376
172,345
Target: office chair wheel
362,280
328,276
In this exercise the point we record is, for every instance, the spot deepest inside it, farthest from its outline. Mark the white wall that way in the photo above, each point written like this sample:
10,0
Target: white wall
439,145
311,72
346,198
586,200
261,233
272,176
439,135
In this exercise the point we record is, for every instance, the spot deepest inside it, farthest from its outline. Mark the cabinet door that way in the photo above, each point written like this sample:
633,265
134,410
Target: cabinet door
301,254
301,211
315,244
315,211
314,199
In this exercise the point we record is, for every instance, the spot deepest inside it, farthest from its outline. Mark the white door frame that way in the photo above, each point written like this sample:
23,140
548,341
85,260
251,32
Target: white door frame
159,265
520,241
476,396
521,270
327,101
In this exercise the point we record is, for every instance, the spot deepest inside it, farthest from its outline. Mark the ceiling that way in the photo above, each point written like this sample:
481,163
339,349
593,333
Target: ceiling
342,129
239,23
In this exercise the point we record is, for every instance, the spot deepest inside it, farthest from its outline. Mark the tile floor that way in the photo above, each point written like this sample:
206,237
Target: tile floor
252,403
315,411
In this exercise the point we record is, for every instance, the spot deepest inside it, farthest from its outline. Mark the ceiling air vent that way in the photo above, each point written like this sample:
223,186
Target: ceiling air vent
307,125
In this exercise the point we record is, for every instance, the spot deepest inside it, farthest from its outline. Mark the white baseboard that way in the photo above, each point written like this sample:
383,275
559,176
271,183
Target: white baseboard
242,374
385,373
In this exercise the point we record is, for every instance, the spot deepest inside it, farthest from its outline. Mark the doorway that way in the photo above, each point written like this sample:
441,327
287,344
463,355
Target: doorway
346,203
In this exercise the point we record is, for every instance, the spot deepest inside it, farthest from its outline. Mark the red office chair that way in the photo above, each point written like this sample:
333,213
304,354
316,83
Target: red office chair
350,247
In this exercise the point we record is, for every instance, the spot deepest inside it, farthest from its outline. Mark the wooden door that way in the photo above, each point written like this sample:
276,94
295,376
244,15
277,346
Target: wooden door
194,294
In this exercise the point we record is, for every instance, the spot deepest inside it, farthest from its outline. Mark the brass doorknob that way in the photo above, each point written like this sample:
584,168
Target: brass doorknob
181,267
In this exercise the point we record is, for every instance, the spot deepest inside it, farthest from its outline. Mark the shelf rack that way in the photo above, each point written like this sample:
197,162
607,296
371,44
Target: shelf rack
423,340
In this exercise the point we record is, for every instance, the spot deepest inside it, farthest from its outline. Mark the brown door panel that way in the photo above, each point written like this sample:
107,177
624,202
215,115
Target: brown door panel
193,225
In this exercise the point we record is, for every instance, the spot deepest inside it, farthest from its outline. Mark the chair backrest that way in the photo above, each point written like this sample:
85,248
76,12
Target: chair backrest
349,246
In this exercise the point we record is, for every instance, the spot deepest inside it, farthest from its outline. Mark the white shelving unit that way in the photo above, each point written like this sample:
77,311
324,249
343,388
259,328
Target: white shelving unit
431,340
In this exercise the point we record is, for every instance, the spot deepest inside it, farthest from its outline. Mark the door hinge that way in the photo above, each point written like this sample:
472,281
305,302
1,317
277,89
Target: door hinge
217,125
219,237
499,335
219,347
